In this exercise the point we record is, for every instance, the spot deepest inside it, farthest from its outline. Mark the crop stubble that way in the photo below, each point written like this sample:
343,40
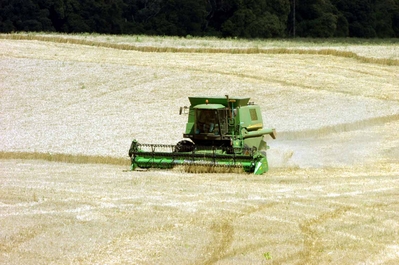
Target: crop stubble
331,195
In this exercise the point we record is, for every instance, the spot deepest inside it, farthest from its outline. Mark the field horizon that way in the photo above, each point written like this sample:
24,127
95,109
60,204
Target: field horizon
72,104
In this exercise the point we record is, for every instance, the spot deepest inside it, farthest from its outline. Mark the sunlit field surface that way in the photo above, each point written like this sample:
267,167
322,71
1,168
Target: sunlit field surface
69,111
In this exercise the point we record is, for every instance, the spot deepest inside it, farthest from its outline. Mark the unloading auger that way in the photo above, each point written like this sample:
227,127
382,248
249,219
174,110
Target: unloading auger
221,132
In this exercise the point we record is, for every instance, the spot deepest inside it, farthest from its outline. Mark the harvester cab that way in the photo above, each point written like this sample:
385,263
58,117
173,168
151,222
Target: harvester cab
226,122
220,132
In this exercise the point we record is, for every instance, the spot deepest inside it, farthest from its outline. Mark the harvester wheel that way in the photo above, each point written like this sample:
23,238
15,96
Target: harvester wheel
184,146
133,148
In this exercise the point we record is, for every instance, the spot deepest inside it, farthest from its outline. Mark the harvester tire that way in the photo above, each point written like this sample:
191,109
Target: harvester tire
184,146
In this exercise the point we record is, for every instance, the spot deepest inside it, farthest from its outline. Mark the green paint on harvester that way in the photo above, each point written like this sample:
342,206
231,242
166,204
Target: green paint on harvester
220,132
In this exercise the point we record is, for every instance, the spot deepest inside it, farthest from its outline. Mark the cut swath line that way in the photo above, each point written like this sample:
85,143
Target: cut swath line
252,50
65,158
344,127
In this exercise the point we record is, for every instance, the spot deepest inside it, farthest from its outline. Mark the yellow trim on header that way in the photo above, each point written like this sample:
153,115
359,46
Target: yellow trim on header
255,126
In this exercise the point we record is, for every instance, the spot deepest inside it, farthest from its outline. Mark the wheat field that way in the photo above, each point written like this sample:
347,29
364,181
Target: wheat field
72,104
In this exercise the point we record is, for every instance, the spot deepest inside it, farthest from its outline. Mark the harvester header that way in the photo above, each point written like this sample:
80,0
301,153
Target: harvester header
220,132
218,100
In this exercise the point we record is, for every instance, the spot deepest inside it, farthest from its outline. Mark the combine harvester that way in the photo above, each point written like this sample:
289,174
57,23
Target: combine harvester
221,132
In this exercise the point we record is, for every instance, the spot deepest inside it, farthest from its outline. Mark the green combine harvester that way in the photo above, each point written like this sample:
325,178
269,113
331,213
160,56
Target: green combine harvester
221,132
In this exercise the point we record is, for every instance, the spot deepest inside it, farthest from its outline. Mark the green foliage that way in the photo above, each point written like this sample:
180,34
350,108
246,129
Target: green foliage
24,16
234,18
385,12
257,19
317,18
178,18
267,256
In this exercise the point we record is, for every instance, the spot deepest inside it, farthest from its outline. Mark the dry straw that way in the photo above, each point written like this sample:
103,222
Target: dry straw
252,50
65,158
338,128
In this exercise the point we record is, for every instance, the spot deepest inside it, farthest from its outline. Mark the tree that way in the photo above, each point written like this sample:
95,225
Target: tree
24,15
257,19
177,17
385,11
233,18
319,18
360,16
395,19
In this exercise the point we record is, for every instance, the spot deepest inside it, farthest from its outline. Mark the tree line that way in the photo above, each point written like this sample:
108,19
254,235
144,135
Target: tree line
220,18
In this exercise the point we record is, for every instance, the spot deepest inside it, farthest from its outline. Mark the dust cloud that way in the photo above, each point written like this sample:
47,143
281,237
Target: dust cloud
337,147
